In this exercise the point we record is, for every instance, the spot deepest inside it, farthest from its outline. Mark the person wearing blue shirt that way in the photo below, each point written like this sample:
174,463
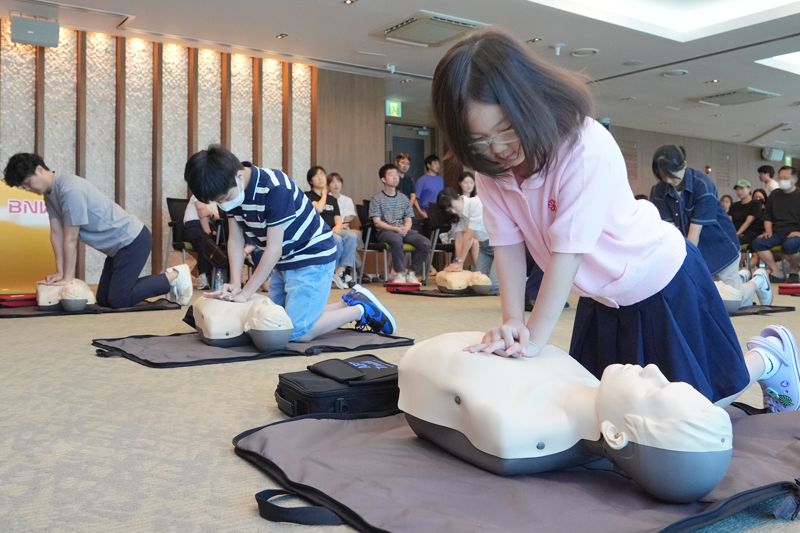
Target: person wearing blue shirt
688,199
267,207
429,185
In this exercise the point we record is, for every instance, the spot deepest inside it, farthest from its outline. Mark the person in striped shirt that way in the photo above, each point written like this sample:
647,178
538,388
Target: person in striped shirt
267,207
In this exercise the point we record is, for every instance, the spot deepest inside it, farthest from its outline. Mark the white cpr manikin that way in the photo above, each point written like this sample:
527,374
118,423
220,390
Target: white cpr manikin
529,415
463,281
258,320
74,295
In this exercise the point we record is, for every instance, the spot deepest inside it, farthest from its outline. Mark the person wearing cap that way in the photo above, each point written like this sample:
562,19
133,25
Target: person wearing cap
747,216
782,227
688,199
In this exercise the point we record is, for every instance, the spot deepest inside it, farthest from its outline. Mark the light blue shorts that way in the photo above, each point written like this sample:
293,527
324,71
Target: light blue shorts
303,293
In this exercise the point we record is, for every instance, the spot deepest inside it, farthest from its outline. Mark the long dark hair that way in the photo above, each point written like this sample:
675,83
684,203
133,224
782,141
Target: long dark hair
467,174
545,104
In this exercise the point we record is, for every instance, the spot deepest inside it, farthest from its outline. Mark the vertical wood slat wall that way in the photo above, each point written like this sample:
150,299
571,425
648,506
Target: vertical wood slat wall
155,181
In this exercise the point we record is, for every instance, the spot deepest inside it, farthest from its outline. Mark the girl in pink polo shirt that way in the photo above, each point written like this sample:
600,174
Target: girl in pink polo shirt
553,180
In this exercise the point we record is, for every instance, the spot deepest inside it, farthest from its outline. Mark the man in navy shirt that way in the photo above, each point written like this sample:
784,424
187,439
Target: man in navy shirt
268,207
782,227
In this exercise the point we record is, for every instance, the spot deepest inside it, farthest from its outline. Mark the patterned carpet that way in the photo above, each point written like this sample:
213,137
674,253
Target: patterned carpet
90,444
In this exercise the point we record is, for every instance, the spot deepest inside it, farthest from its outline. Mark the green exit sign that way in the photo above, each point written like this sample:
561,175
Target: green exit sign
394,108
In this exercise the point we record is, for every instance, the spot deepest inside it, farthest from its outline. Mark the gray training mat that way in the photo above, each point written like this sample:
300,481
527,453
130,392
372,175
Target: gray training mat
762,310
187,349
376,475
161,304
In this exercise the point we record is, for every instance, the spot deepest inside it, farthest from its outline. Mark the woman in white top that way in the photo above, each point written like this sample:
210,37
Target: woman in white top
197,229
347,210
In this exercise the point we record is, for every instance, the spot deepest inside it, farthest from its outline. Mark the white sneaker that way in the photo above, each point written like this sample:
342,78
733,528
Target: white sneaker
745,275
763,288
181,287
202,282
339,282
411,277
782,389
398,278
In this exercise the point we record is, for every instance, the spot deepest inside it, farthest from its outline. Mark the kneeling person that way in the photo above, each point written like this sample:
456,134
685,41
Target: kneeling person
267,206
78,211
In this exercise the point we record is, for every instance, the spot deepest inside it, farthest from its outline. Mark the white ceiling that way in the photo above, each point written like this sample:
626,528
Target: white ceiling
336,36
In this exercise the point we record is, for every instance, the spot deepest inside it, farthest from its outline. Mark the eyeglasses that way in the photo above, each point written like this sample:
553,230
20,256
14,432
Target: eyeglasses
484,146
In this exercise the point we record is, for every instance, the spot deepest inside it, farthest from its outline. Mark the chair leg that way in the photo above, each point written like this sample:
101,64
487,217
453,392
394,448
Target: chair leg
360,275
385,267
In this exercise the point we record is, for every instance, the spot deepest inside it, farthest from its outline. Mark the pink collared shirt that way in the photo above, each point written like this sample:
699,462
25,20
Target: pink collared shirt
584,205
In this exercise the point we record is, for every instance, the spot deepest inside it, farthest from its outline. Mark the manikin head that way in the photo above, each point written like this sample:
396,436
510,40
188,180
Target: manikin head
670,438
258,321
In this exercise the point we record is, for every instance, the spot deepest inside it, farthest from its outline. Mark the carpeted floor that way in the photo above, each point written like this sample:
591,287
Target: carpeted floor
90,444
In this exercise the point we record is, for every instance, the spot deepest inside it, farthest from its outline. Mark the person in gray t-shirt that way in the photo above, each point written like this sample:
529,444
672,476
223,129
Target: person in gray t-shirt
78,211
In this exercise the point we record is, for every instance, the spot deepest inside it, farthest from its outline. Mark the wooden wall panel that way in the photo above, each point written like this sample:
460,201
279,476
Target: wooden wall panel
350,130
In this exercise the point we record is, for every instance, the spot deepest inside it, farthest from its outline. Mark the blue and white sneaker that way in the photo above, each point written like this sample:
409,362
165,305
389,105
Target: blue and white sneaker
763,287
376,316
782,389
744,274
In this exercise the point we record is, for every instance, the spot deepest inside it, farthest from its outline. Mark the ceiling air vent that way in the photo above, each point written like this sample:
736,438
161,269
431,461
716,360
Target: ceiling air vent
425,28
739,96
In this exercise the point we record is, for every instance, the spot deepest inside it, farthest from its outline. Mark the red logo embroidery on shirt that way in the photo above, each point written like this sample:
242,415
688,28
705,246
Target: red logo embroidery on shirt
551,205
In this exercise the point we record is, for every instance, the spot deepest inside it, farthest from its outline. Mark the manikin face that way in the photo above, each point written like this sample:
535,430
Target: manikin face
319,180
493,136
391,178
467,185
640,405
403,165
335,187
39,182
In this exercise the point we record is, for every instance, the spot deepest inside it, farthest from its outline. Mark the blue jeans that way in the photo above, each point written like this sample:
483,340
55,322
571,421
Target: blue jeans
346,245
303,292
486,263
790,245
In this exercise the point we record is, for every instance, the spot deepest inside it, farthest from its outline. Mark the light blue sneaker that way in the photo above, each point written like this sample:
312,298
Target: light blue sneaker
763,288
782,390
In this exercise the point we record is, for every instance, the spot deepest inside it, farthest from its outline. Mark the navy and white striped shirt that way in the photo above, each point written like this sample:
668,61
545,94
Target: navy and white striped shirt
271,199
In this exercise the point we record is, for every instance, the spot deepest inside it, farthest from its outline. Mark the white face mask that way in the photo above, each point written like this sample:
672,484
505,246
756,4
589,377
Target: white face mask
236,202
679,173
786,184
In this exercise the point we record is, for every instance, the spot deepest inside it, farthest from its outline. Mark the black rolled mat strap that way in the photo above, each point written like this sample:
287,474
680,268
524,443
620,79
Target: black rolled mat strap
762,310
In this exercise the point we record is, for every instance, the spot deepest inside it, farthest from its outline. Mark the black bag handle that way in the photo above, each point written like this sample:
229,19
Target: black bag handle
310,515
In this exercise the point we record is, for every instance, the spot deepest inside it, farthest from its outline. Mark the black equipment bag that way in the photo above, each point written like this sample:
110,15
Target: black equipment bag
360,384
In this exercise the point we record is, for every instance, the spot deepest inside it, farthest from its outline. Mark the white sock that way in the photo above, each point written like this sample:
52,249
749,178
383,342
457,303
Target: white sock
771,364
361,312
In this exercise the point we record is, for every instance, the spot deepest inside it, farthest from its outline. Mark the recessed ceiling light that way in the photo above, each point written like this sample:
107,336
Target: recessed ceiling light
627,99
584,52
787,129
672,108
282,36
533,40
406,80
675,73
633,62
348,2
711,81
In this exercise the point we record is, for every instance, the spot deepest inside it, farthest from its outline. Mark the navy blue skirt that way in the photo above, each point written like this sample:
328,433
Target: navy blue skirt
684,329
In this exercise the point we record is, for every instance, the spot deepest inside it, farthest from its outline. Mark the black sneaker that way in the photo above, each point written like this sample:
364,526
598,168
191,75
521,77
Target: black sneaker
376,316
776,279
793,277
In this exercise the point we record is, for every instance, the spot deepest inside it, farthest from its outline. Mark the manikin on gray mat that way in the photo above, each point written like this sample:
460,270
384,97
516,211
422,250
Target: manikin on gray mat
532,415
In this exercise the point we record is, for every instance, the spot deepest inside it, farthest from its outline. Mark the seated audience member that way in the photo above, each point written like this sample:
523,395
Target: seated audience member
79,212
725,202
197,229
760,195
347,209
747,214
299,251
467,214
766,174
406,186
391,215
429,185
328,207
466,184
782,227
688,198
